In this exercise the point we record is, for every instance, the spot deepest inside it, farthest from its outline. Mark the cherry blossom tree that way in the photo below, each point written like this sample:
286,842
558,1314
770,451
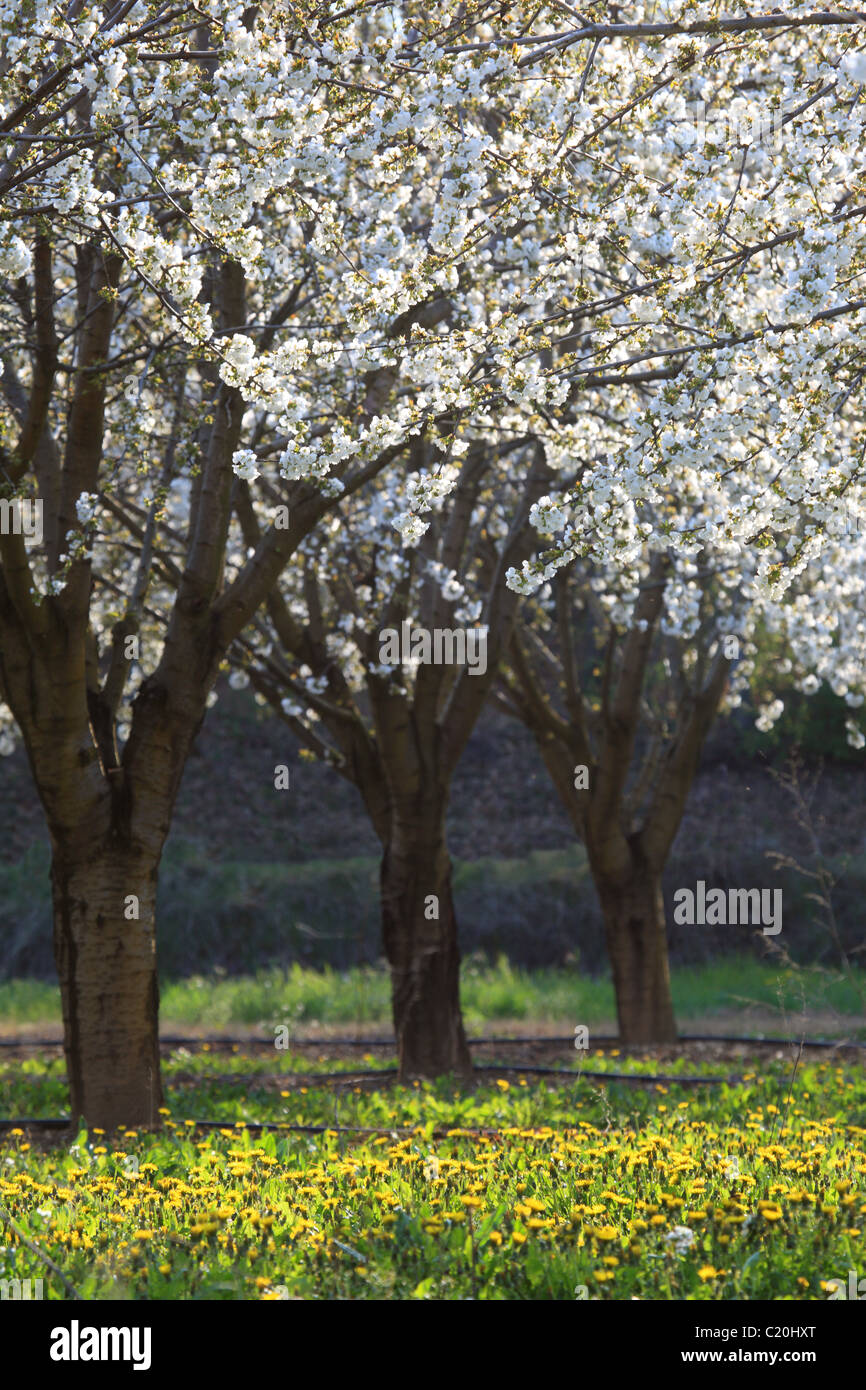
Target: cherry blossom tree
619,675
204,265
676,256
379,652
313,238
713,487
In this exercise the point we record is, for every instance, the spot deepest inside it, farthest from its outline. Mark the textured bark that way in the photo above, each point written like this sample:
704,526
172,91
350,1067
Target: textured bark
423,953
634,921
106,964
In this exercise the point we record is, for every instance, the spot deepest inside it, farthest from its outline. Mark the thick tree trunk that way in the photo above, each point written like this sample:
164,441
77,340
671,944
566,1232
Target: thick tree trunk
419,928
106,961
634,920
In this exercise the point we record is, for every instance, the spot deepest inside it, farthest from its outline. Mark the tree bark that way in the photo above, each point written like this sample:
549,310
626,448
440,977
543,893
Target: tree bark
106,962
634,922
419,927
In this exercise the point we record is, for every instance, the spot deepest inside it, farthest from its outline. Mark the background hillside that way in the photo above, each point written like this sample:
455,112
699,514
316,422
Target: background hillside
254,877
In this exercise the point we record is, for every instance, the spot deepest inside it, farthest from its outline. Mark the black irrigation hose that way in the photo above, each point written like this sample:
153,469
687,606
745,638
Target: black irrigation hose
772,1042
263,1124
170,1040
42,1124
614,1075
352,1076
638,1078
605,1040
634,1077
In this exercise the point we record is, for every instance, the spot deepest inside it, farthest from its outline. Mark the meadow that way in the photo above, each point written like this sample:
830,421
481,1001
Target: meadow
729,992
752,1187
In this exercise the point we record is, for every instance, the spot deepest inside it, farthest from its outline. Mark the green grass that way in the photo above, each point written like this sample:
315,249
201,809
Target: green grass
570,1192
730,986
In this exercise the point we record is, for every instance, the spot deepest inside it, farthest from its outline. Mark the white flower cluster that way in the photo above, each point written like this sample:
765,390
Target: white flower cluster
671,313
245,465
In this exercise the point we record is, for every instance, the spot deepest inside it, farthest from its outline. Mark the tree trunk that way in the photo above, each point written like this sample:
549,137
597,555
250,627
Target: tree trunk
634,920
419,928
106,961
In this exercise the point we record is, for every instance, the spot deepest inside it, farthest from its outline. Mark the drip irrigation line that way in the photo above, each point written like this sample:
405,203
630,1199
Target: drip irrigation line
303,1077
278,1125
634,1077
774,1042
608,1040
613,1075
576,1073
306,1076
29,1124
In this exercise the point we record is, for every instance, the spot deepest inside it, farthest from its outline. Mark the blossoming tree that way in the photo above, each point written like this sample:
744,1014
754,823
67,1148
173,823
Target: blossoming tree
619,677
714,494
379,651
312,238
205,263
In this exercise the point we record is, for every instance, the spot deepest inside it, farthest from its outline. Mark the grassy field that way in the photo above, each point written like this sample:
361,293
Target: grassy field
735,989
750,1190
751,1186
